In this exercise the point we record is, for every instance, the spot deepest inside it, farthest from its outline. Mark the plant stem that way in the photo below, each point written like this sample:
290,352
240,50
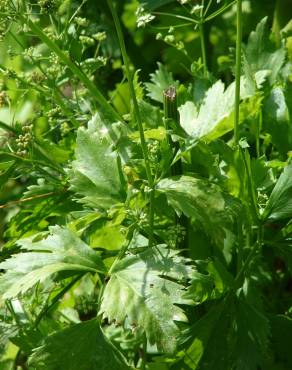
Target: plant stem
238,71
191,20
137,115
171,114
55,300
96,94
203,48
219,11
259,128
202,39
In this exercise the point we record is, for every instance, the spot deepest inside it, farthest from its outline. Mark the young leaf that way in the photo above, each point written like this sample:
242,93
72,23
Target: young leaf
144,289
212,120
260,53
160,81
280,202
95,173
79,347
60,251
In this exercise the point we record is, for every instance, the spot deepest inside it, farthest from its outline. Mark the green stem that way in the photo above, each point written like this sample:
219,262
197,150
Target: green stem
259,128
202,39
171,115
96,94
238,71
6,127
203,48
191,20
55,301
249,258
219,11
136,113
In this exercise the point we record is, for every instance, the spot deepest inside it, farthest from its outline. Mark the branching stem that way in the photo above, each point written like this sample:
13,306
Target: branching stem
136,113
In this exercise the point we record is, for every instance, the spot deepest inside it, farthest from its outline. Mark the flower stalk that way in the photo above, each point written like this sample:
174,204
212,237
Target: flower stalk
238,70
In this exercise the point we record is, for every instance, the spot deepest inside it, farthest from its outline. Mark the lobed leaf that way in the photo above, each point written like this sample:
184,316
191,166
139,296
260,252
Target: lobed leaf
145,289
95,173
60,251
160,81
279,205
79,347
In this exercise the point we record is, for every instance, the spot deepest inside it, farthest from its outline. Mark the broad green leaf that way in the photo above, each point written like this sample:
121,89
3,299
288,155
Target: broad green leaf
251,336
201,200
213,281
280,202
160,80
79,347
276,118
144,288
212,120
7,330
210,113
39,259
281,329
95,174
261,54
151,115
210,339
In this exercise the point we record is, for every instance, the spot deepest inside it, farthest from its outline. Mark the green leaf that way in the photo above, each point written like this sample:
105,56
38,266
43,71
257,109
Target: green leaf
64,58
95,173
261,54
276,118
7,174
212,120
79,347
202,201
60,251
210,339
7,330
280,202
160,81
281,327
210,113
144,288
211,284
251,336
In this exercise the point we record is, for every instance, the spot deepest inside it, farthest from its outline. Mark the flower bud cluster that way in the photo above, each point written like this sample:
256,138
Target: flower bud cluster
35,77
48,6
143,219
99,36
86,40
171,40
153,150
65,128
53,113
143,17
54,64
24,140
82,22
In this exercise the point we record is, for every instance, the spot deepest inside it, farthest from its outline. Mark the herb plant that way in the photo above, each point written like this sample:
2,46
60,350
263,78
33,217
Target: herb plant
146,211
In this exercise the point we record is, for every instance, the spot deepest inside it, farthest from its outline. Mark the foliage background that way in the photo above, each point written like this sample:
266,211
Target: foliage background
45,159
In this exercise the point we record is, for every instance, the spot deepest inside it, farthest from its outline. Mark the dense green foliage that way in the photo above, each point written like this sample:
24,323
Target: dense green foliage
145,184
